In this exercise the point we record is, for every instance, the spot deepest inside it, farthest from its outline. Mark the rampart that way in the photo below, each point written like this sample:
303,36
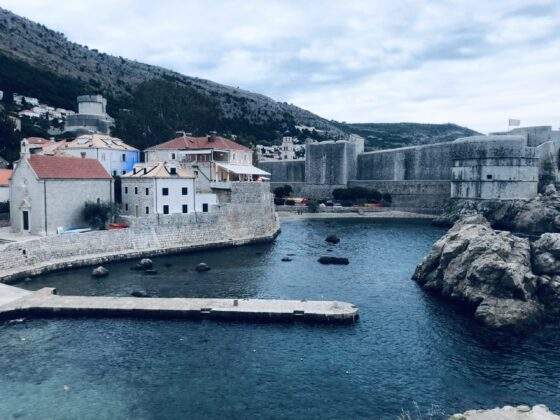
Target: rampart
248,218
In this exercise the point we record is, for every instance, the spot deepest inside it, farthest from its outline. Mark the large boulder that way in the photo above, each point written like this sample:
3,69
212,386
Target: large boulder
546,254
202,267
487,270
332,239
146,263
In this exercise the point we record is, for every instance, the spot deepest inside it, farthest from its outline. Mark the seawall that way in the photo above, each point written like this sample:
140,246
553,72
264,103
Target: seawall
248,218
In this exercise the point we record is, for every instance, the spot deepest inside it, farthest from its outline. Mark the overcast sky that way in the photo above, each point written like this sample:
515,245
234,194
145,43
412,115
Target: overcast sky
474,62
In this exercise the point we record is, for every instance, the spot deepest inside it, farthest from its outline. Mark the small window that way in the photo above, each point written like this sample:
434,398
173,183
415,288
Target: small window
114,173
195,173
126,190
166,209
185,208
173,171
165,191
185,191
205,207
83,154
147,210
124,157
126,207
147,191
135,190
173,156
488,176
98,200
123,172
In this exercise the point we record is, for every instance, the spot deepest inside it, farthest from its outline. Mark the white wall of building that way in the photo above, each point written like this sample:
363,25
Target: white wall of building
4,194
112,160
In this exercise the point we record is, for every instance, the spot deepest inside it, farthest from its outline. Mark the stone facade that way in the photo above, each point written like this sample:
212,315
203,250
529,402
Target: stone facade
249,217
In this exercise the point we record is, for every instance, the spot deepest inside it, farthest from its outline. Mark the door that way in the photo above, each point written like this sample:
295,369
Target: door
136,211
25,214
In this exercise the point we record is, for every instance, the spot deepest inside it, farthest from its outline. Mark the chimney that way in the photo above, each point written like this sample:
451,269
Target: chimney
180,134
212,136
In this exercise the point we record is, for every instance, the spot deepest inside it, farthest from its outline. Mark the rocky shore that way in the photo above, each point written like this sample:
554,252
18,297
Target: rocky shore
532,217
509,282
521,412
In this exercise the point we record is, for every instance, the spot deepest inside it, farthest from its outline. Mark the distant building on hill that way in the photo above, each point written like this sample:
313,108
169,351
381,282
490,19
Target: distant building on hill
48,193
5,175
287,148
91,118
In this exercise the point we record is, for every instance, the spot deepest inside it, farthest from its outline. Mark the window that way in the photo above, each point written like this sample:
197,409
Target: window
135,190
165,191
147,191
147,210
114,173
83,154
126,207
98,200
185,208
196,172
124,157
173,171
173,156
123,172
126,190
205,207
166,209
185,191
488,176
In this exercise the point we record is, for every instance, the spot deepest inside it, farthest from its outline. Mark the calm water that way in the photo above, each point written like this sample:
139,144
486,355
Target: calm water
409,352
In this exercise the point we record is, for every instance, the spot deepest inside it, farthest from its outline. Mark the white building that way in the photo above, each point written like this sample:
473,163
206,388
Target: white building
38,146
5,175
214,160
162,188
116,156
20,99
48,193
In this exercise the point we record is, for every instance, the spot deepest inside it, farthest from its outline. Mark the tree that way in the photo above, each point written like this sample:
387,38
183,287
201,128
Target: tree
97,215
284,191
9,139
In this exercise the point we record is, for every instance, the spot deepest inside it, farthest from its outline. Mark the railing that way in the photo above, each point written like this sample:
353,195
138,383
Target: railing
223,185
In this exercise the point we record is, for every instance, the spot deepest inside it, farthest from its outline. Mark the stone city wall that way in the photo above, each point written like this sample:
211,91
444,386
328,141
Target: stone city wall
249,218
284,170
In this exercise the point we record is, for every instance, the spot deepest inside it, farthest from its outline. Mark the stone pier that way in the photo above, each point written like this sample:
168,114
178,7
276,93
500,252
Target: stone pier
46,302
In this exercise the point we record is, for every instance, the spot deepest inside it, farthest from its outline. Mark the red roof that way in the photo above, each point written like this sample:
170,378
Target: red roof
37,140
5,175
64,167
185,143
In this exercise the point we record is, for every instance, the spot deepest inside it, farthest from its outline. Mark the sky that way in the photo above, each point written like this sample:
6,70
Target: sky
476,63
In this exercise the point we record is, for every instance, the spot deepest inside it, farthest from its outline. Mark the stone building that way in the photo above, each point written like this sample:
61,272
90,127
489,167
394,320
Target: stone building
116,156
48,193
91,118
162,188
215,161
287,150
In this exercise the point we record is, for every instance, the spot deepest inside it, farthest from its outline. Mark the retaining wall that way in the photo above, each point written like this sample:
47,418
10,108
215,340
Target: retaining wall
250,217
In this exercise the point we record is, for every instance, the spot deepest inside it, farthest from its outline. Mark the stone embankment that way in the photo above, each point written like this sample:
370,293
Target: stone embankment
248,217
509,282
533,217
46,303
521,412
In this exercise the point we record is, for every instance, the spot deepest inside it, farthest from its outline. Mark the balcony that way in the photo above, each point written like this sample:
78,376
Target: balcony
221,185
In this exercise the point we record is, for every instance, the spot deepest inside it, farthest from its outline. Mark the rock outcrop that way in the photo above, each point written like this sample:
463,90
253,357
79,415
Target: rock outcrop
533,217
521,412
510,283
100,272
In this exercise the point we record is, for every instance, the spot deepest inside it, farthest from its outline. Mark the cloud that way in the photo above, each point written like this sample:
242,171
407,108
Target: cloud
471,62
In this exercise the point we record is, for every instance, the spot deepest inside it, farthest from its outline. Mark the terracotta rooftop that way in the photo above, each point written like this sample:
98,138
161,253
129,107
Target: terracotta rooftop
159,170
65,167
37,140
186,143
5,175
98,141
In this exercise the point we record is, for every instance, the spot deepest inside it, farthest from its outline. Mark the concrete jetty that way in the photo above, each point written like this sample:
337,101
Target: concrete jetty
45,302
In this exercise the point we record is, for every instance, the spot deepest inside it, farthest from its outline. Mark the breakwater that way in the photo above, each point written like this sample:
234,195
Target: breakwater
245,216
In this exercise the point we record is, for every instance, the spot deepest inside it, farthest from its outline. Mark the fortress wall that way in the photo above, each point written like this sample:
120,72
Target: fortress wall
411,195
284,170
250,217
430,162
329,162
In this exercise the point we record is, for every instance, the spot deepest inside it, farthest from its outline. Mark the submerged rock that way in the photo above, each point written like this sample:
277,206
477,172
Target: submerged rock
521,412
100,272
491,272
146,263
286,259
140,294
202,267
332,239
334,260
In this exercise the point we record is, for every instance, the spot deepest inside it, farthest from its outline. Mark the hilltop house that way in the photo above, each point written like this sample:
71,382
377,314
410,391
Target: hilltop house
162,188
48,193
214,160
5,175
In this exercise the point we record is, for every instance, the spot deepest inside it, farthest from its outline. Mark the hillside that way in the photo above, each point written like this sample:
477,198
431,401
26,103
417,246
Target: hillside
393,135
150,103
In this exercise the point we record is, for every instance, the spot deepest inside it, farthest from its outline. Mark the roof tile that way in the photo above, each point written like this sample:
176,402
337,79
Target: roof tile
65,167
